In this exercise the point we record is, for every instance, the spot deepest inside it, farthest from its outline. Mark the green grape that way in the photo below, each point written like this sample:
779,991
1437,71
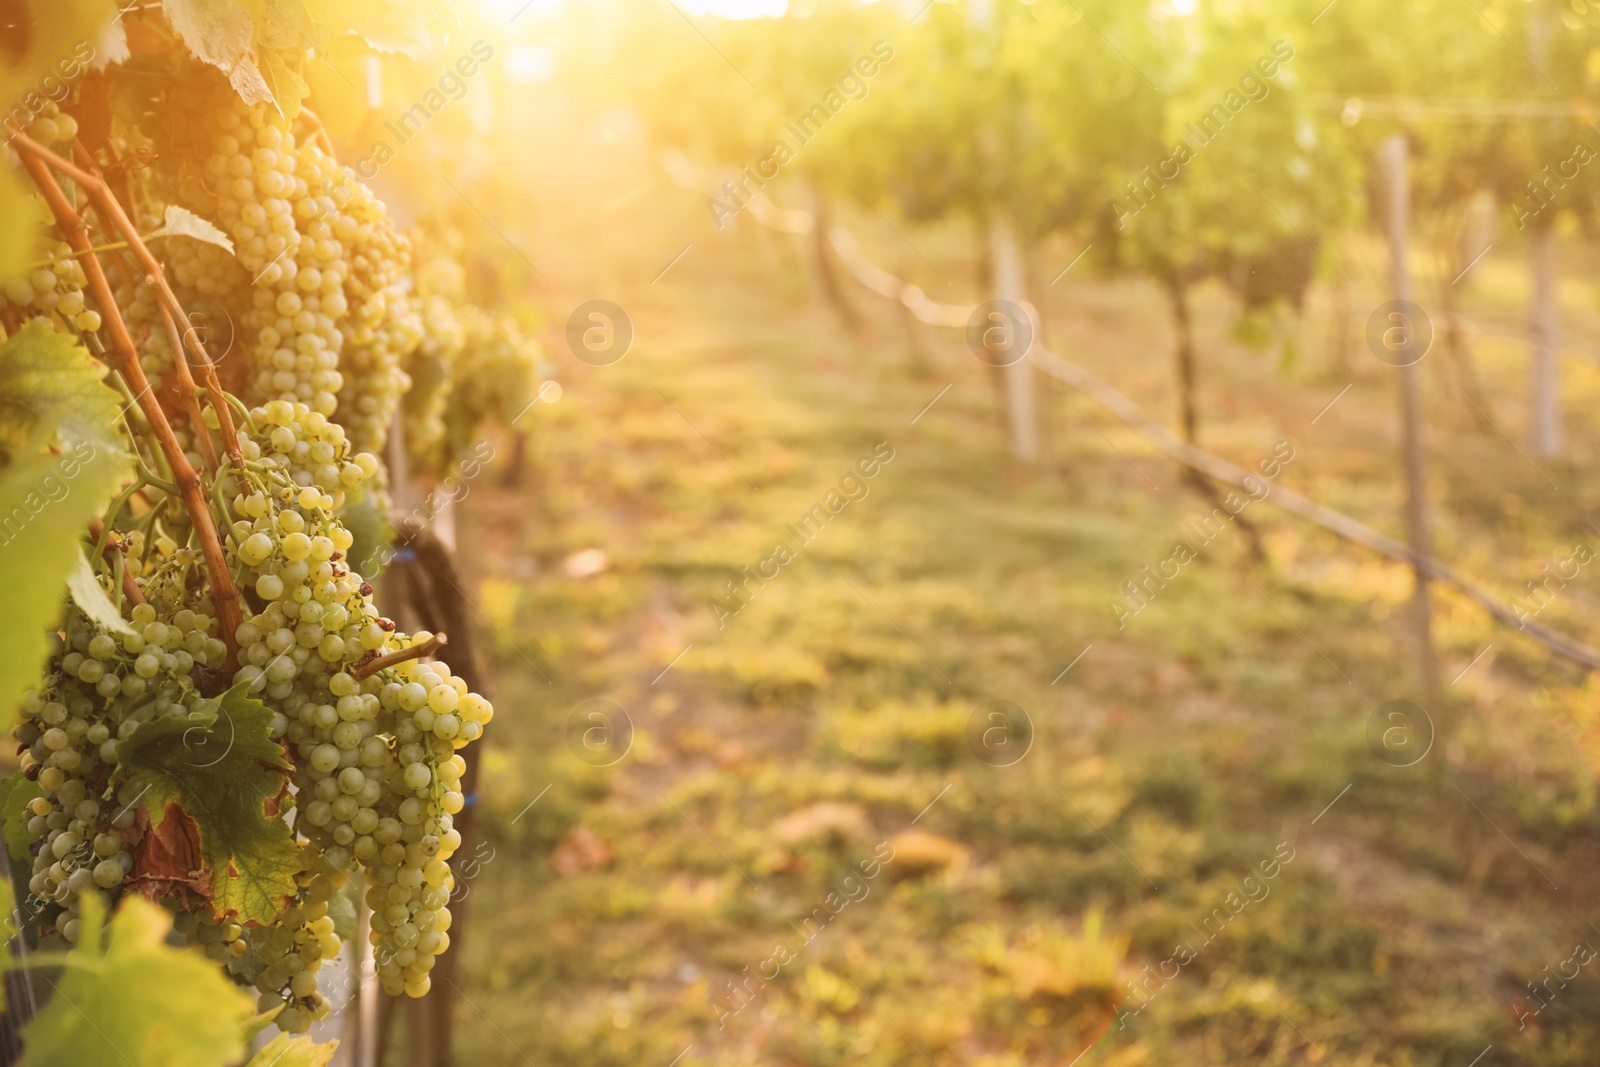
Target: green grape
52,290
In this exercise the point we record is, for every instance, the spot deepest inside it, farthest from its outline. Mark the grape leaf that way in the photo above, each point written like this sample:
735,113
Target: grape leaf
342,910
45,503
404,27
15,793
181,222
92,600
222,33
8,909
17,237
142,1003
51,396
45,376
221,766
166,859
288,1050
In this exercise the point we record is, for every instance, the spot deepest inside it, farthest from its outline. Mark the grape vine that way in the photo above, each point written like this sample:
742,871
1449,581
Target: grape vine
226,724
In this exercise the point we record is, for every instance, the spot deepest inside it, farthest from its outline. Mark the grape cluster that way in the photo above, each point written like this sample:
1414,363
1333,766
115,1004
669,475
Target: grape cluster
99,689
280,961
53,291
263,183
377,776
494,386
52,126
383,327
434,715
441,283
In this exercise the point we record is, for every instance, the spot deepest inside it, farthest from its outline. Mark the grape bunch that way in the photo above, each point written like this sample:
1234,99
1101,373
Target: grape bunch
342,326
53,291
493,385
440,286
383,327
378,767
100,687
376,770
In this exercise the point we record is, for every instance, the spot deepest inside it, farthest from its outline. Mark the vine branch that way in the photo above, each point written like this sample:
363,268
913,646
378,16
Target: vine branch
105,200
38,162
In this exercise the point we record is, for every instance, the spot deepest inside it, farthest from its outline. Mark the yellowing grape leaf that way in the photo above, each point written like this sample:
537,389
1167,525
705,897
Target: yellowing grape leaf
141,1003
221,766
91,598
286,1050
222,33
181,222
406,27
288,88
18,236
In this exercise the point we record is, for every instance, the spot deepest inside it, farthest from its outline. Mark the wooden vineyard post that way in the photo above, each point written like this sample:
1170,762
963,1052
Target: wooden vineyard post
1018,375
1544,399
827,278
1544,415
1005,260
1394,158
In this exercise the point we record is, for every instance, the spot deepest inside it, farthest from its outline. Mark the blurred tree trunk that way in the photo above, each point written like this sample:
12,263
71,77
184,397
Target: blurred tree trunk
1339,337
1183,354
1188,407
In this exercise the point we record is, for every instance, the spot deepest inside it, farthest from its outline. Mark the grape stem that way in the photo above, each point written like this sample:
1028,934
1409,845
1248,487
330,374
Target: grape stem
318,130
44,264
130,587
112,513
191,405
151,478
38,161
389,659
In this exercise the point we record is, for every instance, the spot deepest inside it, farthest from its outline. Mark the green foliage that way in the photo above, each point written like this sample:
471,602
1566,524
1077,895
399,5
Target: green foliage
137,1001
62,462
17,237
57,39
1530,52
45,378
90,598
293,1051
221,766
15,793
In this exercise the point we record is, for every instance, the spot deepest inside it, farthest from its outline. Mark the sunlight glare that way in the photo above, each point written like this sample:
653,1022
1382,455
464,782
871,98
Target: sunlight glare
737,9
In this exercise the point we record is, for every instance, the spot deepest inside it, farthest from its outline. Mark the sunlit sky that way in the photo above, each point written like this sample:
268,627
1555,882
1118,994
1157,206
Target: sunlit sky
728,9
736,9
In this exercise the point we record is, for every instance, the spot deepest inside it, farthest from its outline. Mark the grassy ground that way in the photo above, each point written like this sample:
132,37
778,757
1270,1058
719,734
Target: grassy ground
1221,735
